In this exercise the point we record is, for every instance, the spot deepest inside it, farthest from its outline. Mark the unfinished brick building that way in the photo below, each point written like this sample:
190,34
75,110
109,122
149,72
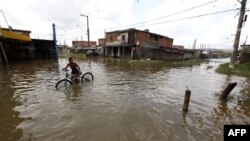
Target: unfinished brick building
133,43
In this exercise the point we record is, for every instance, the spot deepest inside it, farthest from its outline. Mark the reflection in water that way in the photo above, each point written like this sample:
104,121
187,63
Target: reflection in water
9,118
73,92
184,114
129,100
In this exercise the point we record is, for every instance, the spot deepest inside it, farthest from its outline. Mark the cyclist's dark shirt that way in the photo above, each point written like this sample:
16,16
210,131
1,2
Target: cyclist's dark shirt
73,67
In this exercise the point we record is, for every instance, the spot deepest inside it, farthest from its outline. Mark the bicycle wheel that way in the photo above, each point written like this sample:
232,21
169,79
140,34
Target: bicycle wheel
88,76
64,83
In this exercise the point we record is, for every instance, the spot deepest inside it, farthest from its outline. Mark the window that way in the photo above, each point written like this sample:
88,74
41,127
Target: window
123,37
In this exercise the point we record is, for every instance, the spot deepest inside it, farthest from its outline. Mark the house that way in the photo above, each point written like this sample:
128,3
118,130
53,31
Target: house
17,45
63,48
217,53
178,46
101,42
15,38
15,34
134,43
83,46
244,53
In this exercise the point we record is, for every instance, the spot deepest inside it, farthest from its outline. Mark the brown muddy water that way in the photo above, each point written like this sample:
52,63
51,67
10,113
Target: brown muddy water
128,101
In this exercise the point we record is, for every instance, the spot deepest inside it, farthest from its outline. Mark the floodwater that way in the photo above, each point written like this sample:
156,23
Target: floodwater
128,101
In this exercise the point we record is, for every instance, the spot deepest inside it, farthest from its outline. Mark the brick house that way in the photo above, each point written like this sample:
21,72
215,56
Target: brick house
133,43
101,42
82,45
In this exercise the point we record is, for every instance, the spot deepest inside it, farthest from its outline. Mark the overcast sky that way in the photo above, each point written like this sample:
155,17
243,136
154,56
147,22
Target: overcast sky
214,31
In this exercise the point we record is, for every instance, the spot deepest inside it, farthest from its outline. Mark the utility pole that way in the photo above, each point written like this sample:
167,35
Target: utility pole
87,29
55,50
81,45
194,45
238,32
245,40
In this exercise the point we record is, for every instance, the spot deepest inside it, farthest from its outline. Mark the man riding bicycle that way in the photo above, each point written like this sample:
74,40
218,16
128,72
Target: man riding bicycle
75,69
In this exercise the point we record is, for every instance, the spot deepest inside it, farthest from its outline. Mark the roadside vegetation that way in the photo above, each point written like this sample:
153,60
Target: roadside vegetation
239,69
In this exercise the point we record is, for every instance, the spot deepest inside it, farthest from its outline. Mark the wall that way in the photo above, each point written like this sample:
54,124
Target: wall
141,37
101,42
17,50
162,54
168,42
19,53
123,37
117,38
245,55
127,52
151,40
111,37
131,37
83,43
1,57
43,48
188,55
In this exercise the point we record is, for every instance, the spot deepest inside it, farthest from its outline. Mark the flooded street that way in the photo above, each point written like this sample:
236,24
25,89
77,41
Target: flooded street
127,101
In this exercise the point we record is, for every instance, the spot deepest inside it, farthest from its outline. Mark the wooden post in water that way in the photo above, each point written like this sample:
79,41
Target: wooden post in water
186,100
227,90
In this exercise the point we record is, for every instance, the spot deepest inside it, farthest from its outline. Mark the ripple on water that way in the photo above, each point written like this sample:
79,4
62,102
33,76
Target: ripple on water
125,102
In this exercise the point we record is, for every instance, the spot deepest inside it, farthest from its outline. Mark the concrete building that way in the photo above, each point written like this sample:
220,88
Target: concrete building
133,43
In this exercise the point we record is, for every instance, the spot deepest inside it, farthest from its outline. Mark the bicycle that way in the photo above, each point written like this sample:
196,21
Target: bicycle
67,81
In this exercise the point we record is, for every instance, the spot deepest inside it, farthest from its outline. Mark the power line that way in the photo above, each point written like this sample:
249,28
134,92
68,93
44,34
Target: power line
71,33
180,19
198,6
60,28
192,17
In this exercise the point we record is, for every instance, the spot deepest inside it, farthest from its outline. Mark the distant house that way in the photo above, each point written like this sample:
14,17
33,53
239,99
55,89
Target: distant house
244,53
217,53
63,48
101,42
133,43
178,46
83,45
